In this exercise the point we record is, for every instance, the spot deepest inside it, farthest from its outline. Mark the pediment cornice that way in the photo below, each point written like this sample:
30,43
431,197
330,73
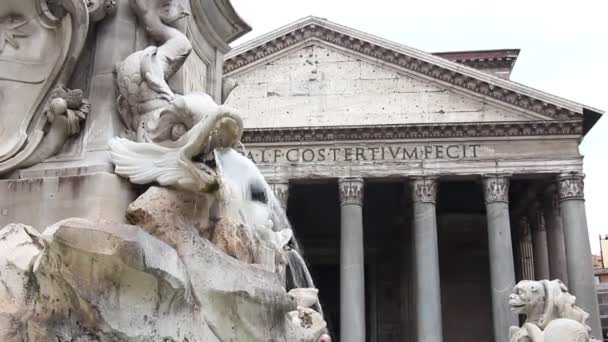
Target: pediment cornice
414,61
419,131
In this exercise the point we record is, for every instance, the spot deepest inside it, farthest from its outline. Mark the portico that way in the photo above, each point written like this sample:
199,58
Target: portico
421,190
419,242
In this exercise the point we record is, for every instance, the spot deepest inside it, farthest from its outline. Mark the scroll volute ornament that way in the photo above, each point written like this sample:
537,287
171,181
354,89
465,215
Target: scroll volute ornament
41,43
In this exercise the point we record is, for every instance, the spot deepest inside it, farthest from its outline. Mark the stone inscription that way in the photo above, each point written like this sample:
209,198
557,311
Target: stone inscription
363,153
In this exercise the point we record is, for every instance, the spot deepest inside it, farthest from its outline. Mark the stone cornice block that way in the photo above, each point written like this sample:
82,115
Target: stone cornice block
418,131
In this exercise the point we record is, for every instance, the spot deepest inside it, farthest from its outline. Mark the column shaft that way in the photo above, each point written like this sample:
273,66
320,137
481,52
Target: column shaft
578,250
539,240
555,237
502,270
526,253
427,287
352,270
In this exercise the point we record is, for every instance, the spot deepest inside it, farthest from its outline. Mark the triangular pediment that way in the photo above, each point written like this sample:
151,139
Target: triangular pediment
314,55
319,85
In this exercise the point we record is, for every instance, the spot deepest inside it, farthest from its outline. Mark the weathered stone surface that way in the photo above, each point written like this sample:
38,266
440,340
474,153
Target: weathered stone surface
162,211
98,281
318,85
305,297
233,239
17,288
307,325
95,282
42,201
175,216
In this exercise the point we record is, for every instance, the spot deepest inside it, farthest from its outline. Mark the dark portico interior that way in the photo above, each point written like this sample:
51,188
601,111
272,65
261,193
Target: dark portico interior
314,211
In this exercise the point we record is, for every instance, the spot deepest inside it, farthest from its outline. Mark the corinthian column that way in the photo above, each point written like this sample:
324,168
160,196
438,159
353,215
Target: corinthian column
555,236
426,264
578,250
539,239
502,270
352,280
526,253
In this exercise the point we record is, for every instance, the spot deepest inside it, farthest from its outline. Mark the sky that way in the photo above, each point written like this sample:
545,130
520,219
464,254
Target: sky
564,51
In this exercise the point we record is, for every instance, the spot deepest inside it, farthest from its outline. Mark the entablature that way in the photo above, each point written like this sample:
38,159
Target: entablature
544,147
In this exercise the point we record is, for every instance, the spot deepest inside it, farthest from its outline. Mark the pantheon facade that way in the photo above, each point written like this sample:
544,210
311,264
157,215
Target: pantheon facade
422,186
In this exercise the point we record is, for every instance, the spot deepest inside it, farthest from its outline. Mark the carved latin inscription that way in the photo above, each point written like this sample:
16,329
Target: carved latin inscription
496,188
387,152
351,191
424,189
571,186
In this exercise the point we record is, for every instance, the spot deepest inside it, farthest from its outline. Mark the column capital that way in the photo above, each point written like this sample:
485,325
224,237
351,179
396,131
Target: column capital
496,188
424,189
351,190
571,186
281,192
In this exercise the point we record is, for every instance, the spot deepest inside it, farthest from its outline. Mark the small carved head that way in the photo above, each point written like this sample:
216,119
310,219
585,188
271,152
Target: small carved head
526,295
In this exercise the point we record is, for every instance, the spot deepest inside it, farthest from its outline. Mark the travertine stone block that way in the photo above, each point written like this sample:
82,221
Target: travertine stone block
164,212
39,202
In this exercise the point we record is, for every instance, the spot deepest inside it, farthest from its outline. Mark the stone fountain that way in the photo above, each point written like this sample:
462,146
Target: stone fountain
208,254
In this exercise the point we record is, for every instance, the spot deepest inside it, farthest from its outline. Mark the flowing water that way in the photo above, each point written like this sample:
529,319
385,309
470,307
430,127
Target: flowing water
298,275
246,194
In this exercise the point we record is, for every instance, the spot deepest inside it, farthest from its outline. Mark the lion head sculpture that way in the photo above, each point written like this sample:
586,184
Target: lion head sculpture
527,297
544,301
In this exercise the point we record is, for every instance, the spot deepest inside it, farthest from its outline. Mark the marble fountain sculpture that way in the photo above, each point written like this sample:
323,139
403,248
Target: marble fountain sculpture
551,313
209,254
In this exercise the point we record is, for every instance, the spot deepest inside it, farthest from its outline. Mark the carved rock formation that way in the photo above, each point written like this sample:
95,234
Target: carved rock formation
165,212
97,281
